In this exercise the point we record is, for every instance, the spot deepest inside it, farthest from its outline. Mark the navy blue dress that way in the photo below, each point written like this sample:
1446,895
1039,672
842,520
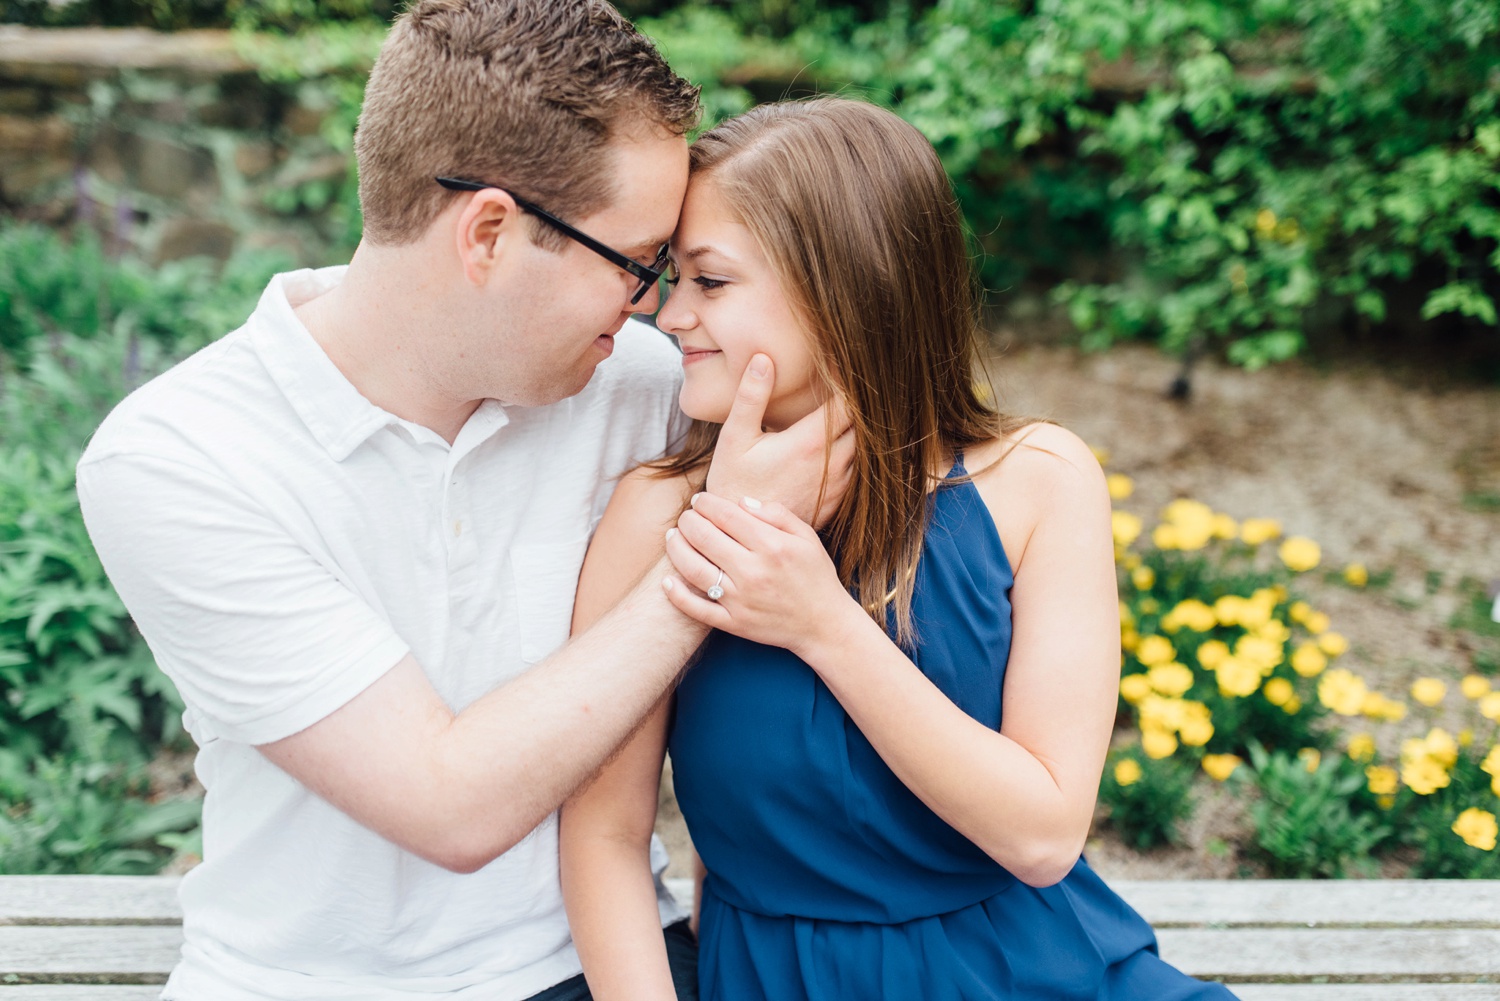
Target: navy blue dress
829,880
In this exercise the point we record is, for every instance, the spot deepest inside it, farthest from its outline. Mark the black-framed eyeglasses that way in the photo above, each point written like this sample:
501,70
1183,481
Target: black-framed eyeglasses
649,276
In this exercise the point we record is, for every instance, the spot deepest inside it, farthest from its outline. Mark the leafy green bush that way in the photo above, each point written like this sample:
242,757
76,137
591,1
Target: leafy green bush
1147,798
83,706
1305,824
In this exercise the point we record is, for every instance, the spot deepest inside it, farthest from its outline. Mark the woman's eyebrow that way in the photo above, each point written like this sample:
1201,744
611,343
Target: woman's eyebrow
700,251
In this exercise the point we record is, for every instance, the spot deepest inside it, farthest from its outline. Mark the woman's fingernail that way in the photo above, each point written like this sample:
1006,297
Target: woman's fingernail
752,503
671,532
693,501
759,366
667,584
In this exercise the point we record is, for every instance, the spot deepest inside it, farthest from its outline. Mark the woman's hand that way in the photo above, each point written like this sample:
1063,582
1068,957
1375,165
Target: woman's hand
779,585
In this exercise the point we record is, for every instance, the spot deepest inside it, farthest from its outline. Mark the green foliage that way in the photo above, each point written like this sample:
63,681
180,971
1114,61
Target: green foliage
72,816
52,284
1147,798
1304,820
82,704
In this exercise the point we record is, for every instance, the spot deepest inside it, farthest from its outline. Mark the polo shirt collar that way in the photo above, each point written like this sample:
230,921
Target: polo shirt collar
334,411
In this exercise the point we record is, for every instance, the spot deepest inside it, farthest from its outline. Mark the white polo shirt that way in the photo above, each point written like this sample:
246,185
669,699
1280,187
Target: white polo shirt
281,543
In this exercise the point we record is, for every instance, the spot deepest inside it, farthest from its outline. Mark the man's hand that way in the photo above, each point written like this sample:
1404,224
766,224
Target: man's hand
795,467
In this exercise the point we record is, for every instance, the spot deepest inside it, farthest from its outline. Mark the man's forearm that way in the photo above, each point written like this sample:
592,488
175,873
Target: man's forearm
513,756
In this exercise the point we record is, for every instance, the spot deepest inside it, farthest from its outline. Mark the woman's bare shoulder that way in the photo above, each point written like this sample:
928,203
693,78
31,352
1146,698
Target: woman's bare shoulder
645,499
1038,471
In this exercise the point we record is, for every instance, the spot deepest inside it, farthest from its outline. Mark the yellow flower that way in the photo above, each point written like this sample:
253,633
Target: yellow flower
1356,575
1332,644
1316,622
1381,780
1491,762
1263,653
1143,578
1237,678
1130,561
1287,230
1265,222
1256,612
1227,609
1134,687
1171,679
1192,523
1254,531
1428,691
1101,455
1310,757
1158,743
1385,802
1153,650
1125,526
1191,613
1478,828
1149,606
1299,611
1425,776
1225,527
1300,554
1362,747
1293,706
1127,771
1275,631
1465,737
1212,653
1220,766
1441,747
1278,691
1392,711
1308,661
1165,537
1197,725
1474,686
1342,691
1489,707
1120,486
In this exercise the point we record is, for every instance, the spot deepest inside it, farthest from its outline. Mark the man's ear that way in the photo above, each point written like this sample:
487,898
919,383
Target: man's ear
488,227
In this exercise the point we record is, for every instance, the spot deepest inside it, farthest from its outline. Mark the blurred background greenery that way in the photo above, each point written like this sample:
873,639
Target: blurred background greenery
1251,180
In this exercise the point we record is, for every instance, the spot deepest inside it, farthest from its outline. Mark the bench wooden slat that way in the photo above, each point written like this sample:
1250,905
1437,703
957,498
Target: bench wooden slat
89,900
1358,992
122,953
80,992
1350,954
1293,902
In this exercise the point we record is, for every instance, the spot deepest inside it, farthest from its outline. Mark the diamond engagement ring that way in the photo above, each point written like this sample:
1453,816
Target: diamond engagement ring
716,592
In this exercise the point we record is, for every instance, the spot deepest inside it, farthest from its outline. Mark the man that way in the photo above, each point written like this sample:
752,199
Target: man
351,529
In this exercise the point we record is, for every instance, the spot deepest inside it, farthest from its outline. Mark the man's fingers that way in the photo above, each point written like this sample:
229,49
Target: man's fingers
748,412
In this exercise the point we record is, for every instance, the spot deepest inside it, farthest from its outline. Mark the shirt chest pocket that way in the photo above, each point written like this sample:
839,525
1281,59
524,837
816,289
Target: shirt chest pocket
546,578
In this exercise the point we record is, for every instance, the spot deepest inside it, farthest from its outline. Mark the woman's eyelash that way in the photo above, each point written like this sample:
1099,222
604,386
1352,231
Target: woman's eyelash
707,284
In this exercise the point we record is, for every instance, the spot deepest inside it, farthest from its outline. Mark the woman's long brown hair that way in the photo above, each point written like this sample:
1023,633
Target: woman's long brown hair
855,214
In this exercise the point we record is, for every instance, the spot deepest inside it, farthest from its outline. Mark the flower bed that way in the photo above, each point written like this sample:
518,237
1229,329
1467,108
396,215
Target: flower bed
1228,671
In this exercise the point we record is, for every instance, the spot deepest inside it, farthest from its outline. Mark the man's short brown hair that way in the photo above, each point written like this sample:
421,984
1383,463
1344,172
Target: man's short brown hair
523,93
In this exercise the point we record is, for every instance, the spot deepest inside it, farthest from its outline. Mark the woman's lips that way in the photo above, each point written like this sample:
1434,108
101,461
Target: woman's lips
690,355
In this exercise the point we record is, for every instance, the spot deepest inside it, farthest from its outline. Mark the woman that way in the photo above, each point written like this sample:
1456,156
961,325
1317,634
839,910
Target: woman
874,827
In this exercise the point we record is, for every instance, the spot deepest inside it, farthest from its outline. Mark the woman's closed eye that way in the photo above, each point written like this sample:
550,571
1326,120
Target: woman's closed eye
706,283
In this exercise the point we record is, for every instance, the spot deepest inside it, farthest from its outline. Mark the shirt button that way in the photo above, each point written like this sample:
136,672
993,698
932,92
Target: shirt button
458,528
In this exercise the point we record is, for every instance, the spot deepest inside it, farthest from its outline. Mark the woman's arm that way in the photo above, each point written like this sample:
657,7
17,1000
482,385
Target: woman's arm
605,829
1025,794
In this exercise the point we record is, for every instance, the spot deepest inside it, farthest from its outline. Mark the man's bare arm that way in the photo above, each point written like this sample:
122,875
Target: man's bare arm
460,790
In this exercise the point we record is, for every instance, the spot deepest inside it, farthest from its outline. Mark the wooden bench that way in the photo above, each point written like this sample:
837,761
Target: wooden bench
114,938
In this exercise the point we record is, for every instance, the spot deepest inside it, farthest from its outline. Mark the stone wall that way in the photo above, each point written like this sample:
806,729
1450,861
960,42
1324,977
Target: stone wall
170,143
